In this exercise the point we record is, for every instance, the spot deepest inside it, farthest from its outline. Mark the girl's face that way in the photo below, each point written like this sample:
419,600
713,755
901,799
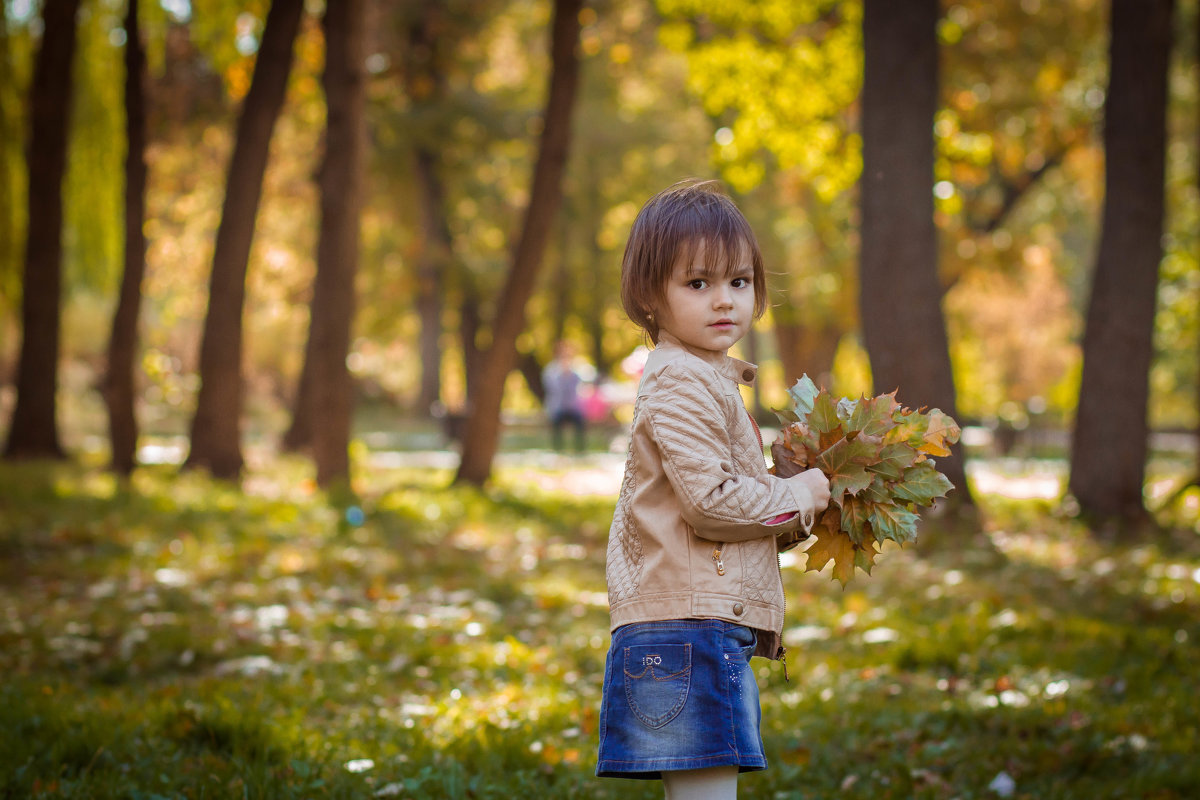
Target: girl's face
708,312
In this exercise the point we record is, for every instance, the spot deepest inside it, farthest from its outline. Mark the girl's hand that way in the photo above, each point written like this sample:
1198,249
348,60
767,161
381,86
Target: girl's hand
818,485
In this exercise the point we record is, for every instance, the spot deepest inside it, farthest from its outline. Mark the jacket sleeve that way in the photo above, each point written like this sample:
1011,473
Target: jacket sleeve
688,426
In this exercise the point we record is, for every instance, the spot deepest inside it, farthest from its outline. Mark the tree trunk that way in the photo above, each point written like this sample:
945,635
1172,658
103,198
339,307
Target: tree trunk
531,370
806,348
10,157
337,249
593,312
431,270
900,294
122,346
483,426
1108,451
216,426
425,85
33,432
564,280
298,436
470,321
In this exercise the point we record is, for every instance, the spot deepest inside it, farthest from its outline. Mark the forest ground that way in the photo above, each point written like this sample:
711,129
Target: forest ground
178,637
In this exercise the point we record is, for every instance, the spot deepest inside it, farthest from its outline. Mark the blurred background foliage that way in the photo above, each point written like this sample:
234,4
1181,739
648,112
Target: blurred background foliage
763,95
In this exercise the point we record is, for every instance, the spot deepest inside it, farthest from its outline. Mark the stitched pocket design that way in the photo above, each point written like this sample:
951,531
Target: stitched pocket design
657,680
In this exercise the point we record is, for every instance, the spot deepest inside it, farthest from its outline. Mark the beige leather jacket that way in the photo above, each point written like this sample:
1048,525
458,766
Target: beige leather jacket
690,537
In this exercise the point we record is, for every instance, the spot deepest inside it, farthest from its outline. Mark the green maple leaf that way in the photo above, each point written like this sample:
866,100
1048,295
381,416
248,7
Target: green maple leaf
922,484
877,492
803,393
891,521
855,520
864,557
910,428
893,460
786,415
873,417
824,417
845,464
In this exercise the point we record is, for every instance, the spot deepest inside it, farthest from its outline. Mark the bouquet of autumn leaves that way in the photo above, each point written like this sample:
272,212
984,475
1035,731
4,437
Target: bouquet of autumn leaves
876,454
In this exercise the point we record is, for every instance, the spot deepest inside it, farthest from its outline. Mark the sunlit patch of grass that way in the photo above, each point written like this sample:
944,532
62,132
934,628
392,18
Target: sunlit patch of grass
183,637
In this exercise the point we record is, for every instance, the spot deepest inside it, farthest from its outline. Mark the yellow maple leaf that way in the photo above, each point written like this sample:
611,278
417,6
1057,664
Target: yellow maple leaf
942,432
832,545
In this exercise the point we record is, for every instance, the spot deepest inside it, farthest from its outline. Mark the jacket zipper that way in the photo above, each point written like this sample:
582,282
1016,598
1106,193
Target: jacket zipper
716,557
781,653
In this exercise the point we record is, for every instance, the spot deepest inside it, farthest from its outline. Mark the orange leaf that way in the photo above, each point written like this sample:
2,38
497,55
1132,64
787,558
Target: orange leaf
832,545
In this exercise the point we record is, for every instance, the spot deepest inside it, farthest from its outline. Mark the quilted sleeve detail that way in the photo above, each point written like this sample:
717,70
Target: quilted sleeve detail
692,433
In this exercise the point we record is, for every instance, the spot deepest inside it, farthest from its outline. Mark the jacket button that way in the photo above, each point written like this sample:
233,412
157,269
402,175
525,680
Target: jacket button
738,608
748,375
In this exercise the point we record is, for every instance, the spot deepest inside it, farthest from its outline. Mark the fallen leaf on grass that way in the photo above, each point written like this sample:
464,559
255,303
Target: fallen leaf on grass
1003,785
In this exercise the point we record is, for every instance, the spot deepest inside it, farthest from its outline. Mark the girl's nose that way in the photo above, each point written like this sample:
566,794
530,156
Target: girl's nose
723,298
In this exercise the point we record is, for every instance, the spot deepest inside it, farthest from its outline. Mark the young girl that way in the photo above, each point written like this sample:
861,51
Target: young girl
693,574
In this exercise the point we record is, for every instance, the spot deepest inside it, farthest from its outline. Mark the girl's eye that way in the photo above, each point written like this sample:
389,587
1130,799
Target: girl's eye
740,283
697,284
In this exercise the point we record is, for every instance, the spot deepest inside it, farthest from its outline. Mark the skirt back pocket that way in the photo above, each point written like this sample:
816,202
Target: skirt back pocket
657,680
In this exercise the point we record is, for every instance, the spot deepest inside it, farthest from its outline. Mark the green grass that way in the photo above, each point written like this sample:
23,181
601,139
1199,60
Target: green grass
176,637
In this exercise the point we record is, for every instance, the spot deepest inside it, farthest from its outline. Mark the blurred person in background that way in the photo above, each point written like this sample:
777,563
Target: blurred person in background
562,381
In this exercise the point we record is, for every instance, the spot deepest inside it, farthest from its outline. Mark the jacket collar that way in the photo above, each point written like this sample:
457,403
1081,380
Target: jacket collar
735,369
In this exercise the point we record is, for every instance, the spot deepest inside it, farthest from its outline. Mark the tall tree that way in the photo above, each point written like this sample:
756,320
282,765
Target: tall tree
425,84
483,425
1108,451
122,345
900,292
11,138
339,180
216,426
34,428
325,379
433,265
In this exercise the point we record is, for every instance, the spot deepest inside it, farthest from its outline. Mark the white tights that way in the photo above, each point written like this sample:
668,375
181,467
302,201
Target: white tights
711,783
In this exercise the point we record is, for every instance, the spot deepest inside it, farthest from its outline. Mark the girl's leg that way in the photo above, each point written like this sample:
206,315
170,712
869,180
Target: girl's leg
712,783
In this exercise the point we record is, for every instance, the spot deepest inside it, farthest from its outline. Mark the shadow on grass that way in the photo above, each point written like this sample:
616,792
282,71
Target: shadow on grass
450,643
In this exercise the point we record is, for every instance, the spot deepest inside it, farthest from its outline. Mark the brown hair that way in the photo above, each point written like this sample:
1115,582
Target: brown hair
672,225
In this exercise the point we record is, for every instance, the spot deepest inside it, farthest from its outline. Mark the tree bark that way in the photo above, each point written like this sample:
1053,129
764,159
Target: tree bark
431,270
806,348
337,248
1108,451
298,437
470,323
425,84
900,292
483,425
33,432
216,426
122,345
10,157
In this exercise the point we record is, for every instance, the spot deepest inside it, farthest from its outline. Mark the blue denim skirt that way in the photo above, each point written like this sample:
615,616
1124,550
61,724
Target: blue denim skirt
679,694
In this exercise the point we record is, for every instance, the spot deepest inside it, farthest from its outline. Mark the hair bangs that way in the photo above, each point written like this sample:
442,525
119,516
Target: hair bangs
676,224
